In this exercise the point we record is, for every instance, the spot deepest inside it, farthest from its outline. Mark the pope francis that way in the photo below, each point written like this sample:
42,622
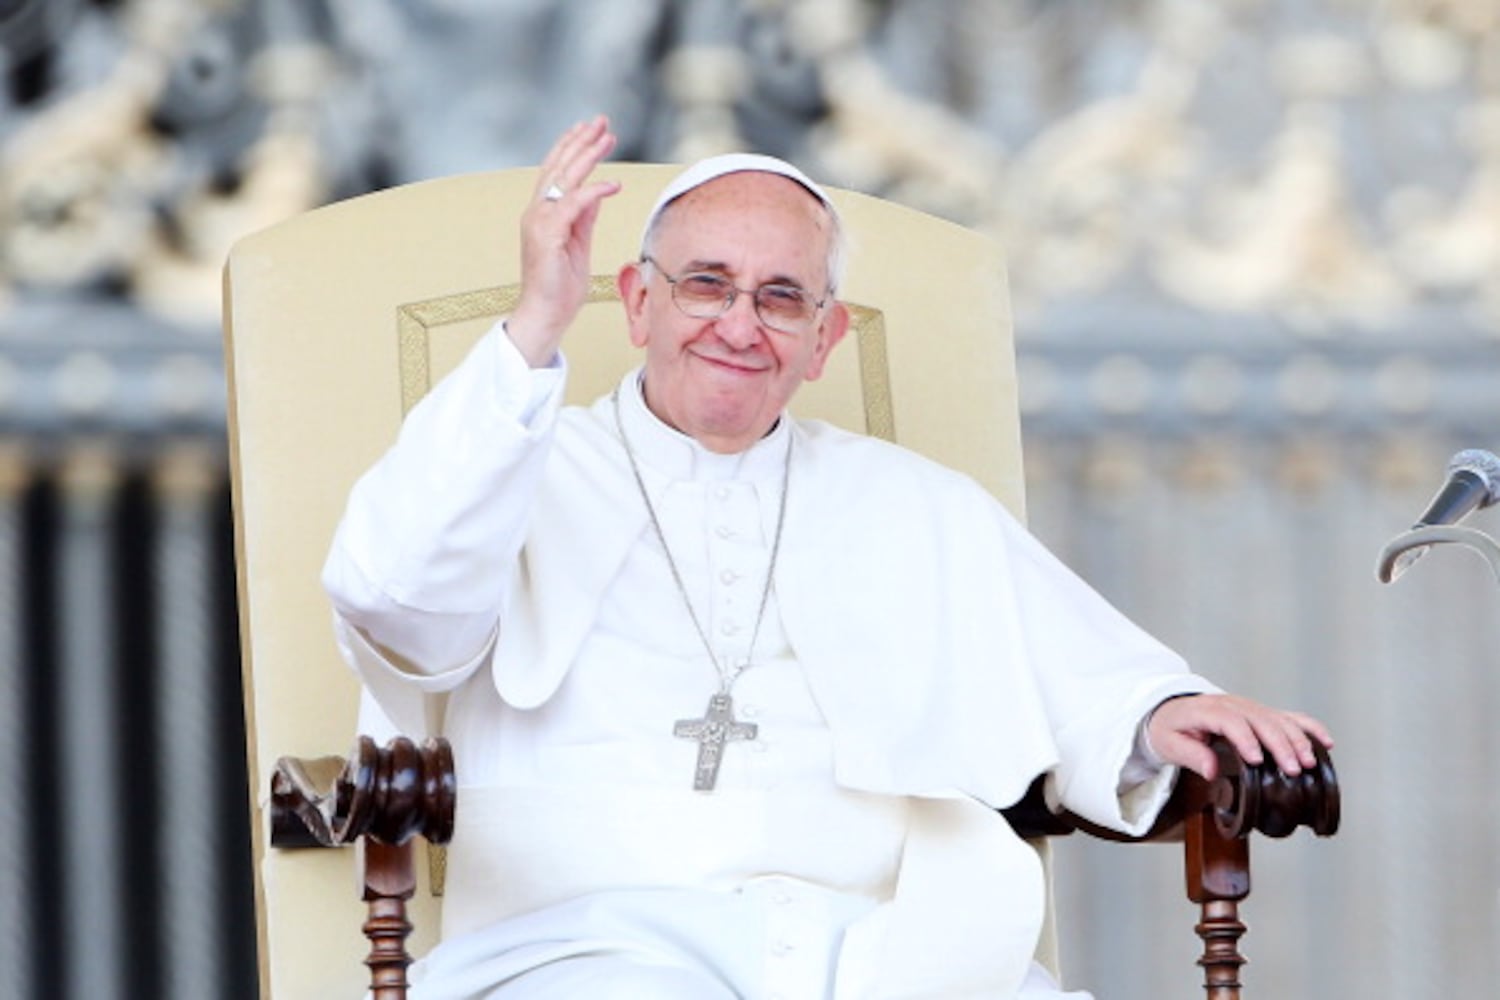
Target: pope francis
734,697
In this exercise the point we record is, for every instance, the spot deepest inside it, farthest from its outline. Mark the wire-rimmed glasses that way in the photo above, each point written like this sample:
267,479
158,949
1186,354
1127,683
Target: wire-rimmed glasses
706,295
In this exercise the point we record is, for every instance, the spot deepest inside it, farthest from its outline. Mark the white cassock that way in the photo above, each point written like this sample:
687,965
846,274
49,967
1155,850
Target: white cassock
920,659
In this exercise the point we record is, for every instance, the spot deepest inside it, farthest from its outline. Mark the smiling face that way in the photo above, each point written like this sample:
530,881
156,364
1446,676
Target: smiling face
724,381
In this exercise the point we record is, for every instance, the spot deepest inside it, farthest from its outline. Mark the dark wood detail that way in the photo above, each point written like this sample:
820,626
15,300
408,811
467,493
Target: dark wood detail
1214,820
1243,798
384,797
1220,930
390,880
1246,797
388,795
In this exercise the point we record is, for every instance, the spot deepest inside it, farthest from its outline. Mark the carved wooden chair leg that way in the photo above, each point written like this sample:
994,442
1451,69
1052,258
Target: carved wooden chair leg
381,798
390,880
1219,819
1218,877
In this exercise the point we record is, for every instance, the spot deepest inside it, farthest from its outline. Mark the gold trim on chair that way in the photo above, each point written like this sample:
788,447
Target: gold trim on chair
415,322
868,326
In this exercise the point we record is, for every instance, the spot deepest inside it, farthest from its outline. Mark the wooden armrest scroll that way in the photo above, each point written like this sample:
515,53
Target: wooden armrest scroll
1214,820
386,797
1246,798
1221,815
1242,799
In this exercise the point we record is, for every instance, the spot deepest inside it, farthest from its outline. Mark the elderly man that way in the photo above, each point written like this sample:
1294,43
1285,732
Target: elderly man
734,697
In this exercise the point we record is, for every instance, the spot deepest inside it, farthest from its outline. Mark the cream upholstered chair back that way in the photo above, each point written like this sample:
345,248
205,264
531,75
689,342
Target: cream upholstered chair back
338,320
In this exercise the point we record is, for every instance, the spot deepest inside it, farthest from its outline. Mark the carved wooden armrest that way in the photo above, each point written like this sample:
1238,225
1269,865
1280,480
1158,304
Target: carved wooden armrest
388,794
1214,821
1220,816
385,796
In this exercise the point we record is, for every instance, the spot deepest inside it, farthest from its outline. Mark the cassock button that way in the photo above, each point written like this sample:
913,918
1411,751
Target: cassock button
724,531
722,493
729,628
728,576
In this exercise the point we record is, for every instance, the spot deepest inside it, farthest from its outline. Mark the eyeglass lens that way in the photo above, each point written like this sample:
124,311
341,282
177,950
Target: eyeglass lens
706,296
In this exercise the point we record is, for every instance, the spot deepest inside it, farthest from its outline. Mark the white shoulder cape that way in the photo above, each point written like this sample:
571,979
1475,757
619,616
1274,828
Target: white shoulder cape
948,650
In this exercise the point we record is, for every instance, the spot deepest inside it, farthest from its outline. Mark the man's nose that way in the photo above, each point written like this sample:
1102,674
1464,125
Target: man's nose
739,325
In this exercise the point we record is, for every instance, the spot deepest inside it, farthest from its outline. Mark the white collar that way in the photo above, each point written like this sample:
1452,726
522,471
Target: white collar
677,456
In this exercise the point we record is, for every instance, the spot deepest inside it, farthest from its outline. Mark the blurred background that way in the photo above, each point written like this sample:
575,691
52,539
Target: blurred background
1255,255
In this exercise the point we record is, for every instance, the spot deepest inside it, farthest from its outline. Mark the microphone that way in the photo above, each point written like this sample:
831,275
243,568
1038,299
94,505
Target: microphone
1473,484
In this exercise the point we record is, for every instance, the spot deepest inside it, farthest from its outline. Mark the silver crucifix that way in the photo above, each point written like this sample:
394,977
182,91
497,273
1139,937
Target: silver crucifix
716,728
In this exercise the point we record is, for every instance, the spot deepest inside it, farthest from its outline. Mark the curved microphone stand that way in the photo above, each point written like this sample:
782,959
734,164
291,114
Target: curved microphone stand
1407,547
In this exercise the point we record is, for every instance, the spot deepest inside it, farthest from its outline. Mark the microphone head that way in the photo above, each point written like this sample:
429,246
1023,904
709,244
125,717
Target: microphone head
1482,464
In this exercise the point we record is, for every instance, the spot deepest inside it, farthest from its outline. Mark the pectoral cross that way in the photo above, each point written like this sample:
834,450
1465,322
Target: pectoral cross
716,728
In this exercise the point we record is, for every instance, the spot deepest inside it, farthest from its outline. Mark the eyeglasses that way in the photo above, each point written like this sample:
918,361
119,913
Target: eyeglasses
705,295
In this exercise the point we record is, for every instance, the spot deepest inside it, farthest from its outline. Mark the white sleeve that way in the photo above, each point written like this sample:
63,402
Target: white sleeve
1100,675
421,561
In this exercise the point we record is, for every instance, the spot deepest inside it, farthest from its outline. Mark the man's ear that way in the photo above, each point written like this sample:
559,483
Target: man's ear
830,332
631,284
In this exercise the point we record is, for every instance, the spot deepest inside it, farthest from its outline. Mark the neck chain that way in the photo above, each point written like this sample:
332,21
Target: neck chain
717,726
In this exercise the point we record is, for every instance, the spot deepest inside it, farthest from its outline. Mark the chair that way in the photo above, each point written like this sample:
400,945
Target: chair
338,320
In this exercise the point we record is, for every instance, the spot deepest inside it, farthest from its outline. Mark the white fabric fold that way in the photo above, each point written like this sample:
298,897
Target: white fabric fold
950,655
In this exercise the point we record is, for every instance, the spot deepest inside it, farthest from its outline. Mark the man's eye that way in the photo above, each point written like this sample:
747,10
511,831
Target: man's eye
703,286
789,296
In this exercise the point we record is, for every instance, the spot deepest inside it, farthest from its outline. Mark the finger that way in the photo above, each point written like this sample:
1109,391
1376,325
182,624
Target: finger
594,146
590,197
558,153
565,151
1313,727
1189,752
1302,731
591,194
576,153
1241,735
1289,737
568,222
1288,745
1302,741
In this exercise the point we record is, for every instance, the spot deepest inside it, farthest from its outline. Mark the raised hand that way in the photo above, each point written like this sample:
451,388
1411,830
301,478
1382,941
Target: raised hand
557,230
1180,727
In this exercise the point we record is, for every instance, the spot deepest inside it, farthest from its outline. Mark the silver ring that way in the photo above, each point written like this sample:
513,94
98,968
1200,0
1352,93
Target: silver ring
553,193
